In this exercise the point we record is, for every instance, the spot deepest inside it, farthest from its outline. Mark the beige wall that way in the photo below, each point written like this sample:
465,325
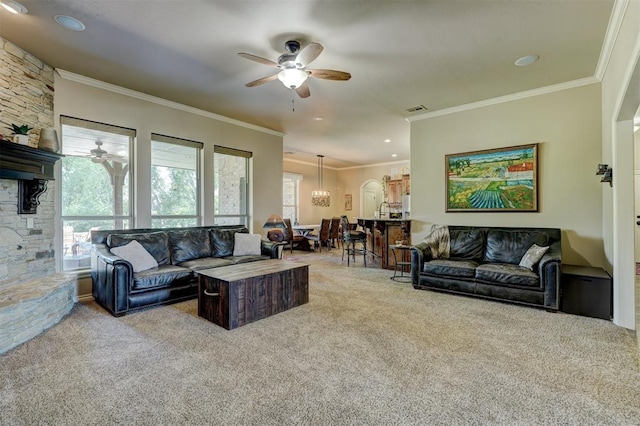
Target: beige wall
620,99
566,124
84,101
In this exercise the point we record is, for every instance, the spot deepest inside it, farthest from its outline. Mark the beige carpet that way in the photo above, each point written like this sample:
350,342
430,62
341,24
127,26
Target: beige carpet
365,350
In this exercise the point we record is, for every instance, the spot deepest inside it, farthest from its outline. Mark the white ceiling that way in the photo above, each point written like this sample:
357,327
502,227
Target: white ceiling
401,54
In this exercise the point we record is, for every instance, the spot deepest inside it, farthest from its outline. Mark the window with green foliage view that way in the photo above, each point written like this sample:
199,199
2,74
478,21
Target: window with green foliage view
95,187
175,200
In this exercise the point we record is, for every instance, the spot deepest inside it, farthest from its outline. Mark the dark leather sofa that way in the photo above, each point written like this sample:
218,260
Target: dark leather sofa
484,262
178,251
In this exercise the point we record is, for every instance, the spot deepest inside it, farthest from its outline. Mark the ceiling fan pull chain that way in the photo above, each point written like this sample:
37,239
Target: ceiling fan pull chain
293,103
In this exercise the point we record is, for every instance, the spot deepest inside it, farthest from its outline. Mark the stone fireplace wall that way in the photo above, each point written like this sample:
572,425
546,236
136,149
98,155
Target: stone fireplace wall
26,97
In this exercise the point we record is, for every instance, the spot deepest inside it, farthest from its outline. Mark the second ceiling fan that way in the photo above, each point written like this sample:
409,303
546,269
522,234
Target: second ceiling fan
293,73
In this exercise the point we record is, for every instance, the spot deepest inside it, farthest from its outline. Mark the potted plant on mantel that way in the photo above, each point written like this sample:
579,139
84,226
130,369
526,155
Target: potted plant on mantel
21,133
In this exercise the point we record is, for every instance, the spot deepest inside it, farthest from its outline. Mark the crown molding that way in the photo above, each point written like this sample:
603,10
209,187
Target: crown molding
507,98
613,29
67,75
364,166
306,163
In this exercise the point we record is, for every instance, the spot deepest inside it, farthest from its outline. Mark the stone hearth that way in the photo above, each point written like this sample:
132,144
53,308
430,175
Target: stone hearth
29,308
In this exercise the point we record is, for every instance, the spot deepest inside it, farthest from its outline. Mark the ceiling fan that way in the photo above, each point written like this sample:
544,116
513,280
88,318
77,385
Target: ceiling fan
293,73
99,155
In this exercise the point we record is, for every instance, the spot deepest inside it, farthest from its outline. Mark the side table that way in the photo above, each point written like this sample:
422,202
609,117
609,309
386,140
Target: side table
400,251
587,291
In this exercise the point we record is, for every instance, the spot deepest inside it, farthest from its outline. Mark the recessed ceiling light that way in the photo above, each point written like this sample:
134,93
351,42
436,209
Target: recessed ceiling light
526,60
394,155
318,118
13,6
69,22
387,141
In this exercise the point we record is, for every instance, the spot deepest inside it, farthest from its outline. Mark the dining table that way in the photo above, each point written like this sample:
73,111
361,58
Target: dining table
305,230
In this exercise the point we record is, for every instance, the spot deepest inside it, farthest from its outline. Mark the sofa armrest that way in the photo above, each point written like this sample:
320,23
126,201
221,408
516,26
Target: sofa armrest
420,253
550,273
112,278
273,249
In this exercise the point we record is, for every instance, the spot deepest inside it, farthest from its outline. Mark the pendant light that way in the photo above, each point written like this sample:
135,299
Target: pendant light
320,197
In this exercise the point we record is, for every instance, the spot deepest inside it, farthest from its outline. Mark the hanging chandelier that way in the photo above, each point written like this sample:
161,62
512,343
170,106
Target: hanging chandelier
320,197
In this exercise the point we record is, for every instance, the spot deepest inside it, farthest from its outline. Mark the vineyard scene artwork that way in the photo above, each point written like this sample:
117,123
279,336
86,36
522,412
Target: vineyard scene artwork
496,180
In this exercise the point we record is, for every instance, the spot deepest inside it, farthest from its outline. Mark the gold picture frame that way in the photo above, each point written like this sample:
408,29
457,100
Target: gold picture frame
493,180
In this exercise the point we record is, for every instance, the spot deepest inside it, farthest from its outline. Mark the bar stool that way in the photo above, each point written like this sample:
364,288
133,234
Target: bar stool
400,250
349,240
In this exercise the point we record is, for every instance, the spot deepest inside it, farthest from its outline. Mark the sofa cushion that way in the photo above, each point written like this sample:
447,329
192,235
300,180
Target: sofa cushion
246,244
451,267
134,253
507,246
162,276
533,256
206,263
507,274
467,243
222,240
188,244
156,243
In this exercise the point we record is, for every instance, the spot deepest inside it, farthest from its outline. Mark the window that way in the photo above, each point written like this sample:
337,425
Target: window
230,186
95,187
175,200
291,196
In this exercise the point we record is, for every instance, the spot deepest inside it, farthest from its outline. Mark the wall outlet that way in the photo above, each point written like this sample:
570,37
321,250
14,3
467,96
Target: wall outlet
29,222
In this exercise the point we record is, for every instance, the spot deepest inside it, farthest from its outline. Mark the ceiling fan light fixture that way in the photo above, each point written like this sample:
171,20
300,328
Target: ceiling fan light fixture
292,78
13,6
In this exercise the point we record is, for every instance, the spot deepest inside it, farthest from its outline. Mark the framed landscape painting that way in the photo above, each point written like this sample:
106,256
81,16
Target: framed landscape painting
494,180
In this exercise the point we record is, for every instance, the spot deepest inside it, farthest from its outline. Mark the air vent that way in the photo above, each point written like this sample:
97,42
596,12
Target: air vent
419,108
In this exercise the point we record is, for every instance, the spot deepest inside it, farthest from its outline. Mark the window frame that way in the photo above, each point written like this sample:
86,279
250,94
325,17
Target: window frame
199,147
296,178
127,218
245,218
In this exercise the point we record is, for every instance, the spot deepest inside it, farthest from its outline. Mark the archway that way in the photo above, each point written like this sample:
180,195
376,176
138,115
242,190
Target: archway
370,197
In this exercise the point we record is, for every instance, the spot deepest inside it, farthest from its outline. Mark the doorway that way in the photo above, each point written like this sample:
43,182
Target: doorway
370,198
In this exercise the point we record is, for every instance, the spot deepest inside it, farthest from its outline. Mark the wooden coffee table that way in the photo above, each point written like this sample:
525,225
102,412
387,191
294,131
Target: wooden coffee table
235,295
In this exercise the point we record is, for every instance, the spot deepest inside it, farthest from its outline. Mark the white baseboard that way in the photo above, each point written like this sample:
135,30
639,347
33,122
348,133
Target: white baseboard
84,298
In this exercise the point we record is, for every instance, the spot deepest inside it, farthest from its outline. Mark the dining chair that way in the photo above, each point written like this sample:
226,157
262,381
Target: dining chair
322,237
350,238
334,233
290,237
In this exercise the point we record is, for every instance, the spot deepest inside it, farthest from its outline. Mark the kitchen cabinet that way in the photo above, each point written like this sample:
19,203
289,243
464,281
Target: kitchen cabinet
396,188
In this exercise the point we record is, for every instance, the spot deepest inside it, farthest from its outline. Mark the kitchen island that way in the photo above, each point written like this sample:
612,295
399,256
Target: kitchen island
384,232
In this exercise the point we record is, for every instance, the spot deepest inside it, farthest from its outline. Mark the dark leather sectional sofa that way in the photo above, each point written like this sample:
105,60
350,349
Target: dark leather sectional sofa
178,251
484,262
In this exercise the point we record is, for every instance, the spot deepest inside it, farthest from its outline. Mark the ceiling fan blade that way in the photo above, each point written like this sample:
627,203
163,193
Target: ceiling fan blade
258,59
308,54
329,74
262,80
303,91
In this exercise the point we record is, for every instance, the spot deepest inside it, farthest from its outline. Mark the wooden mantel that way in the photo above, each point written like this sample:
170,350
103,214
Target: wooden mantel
31,167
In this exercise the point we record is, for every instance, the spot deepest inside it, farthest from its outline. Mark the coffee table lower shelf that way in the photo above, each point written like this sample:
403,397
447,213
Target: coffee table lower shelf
232,296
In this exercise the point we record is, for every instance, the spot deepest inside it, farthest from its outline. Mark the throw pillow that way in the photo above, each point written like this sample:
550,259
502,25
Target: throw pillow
136,255
438,241
533,256
247,244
